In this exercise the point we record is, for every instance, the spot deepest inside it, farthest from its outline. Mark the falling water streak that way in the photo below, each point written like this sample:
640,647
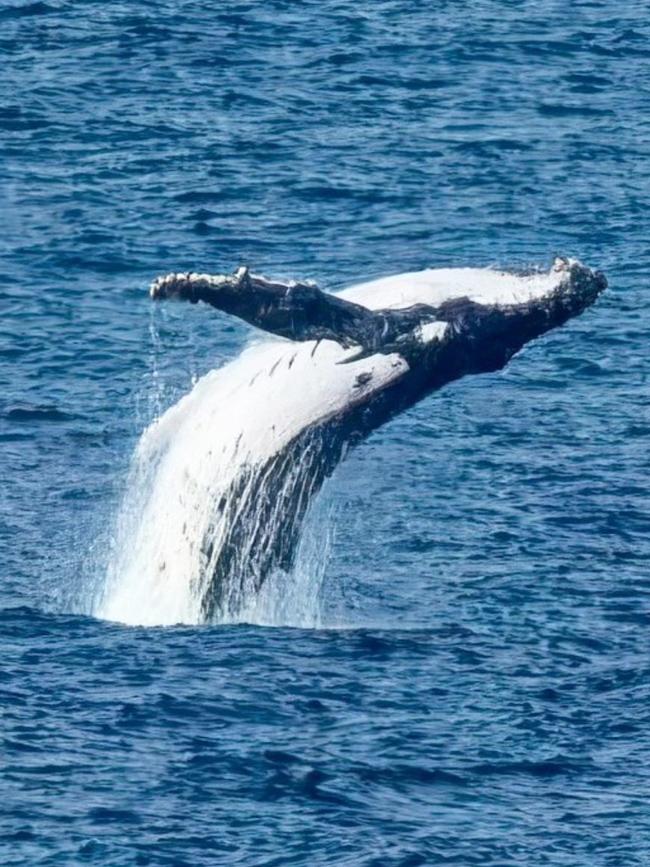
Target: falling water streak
192,359
285,598
96,578
87,587
298,598
155,387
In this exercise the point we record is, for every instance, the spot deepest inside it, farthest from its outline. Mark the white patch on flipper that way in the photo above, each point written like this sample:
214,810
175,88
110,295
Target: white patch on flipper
430,331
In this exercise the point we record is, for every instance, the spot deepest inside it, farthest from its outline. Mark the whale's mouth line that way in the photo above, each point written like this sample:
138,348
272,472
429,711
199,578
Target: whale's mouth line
223,484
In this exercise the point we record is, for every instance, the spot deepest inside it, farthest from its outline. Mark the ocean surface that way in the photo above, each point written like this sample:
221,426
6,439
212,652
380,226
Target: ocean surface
461,675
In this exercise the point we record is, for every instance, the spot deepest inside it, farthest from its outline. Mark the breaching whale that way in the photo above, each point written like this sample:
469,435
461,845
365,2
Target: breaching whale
224,478
347,363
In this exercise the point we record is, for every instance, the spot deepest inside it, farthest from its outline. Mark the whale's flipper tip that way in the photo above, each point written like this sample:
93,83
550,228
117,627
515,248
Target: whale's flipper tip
190,286
174,285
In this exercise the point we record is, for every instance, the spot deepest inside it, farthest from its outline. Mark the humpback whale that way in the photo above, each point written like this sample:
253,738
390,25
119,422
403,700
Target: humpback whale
345,364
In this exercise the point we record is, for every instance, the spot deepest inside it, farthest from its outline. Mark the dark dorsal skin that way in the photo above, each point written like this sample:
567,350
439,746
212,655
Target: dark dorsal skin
479,338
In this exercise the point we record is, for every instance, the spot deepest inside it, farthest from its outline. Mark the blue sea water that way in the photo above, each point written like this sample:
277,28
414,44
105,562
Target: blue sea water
479,692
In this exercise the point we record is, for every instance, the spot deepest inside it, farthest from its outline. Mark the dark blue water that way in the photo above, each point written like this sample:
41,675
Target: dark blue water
488,701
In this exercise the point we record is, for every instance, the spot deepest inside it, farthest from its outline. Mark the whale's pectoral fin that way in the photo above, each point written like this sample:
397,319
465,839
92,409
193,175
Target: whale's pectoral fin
491,331
297,311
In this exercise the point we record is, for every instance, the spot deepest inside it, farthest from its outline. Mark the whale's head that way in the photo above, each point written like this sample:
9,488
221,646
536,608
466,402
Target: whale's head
578,286
488,332
477,317
487,327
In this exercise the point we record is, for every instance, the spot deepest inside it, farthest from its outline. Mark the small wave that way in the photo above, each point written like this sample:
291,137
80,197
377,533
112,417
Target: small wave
30,9
38,413
552,109
557,766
